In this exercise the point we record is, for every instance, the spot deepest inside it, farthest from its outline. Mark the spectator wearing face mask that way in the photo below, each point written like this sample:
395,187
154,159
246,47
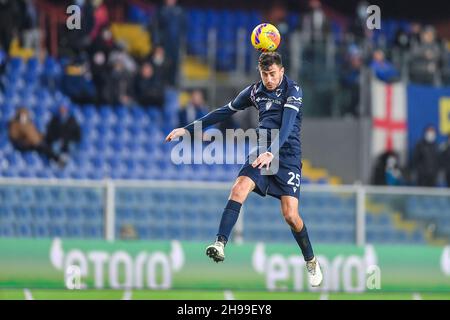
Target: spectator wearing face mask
426,159
445,159
387,170
393,172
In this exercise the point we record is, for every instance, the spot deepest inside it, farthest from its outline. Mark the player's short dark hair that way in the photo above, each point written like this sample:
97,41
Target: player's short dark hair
266,59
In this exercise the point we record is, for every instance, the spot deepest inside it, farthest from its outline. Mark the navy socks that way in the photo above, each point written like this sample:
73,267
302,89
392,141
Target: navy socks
302,239
229,217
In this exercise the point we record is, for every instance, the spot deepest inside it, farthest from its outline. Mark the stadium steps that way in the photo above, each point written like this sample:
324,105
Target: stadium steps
400,223
317,175
16,51
138,40
193,69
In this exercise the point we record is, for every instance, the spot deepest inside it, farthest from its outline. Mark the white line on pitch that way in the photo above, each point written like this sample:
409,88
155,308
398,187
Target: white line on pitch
228,295
417,296
127,295
28,295
324,296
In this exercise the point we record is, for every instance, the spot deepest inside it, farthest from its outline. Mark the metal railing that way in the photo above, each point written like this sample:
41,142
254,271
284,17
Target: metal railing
417,208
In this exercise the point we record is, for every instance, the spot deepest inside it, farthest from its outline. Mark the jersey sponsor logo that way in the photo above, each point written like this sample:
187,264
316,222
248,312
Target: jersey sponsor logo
268,99
278,92
297,88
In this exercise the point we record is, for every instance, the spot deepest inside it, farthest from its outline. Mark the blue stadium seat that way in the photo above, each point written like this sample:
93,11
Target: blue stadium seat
41,230
6,229
23,229
39,213
93,231
56,213
56,229
73,214
22,213
92,214
74,230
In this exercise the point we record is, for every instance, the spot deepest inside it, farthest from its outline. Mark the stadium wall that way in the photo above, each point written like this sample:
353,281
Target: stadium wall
351,160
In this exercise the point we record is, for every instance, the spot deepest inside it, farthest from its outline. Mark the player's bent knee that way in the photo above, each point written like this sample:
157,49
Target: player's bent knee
290,219
293,220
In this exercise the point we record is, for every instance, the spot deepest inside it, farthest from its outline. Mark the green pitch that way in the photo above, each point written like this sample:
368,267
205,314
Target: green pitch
39,294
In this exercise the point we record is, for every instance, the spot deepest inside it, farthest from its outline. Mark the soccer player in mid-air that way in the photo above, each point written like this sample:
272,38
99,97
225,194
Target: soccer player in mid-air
279,102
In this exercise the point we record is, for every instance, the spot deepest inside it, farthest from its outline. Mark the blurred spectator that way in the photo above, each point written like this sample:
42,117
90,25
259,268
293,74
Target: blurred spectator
402,40
160,66
277,15
445,159
28,25
101,18
358,26
195,109
25,137
8,22
168,33
3,60
119,85
148,87
77,83
119,54
315,24
76,41
63,131
99,52
393,172
128,232
383,69
414,34
350,81
387,170
425,58
425,162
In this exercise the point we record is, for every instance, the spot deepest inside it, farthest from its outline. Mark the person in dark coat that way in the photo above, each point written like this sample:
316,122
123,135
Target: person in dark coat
148,87
63,130
426,159
445,159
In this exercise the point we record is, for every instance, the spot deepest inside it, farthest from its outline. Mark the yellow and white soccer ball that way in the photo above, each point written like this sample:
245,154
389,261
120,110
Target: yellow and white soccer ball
265,37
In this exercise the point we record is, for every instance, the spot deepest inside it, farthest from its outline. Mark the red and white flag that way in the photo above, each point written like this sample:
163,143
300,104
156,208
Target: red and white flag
389,118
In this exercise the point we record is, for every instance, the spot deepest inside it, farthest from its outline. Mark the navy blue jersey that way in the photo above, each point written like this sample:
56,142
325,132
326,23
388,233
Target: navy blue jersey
270,105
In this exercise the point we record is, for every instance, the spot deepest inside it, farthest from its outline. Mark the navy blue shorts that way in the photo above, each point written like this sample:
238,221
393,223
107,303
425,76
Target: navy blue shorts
285,182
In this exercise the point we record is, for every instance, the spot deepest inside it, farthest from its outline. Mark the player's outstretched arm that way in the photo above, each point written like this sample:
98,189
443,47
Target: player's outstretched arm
176,133
211,118
239,103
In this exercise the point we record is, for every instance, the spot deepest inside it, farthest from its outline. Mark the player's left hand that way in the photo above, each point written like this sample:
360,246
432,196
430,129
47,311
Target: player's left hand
263,160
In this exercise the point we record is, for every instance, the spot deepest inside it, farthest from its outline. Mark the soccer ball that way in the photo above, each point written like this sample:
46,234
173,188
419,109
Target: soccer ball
265,37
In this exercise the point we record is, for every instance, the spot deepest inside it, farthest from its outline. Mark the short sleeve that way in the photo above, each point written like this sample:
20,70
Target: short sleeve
242,100
294,98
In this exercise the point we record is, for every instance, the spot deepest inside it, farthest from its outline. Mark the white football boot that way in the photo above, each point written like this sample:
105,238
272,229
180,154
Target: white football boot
216,251
314,272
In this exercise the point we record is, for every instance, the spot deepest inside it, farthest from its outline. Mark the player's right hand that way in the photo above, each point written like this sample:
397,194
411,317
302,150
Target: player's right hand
176,133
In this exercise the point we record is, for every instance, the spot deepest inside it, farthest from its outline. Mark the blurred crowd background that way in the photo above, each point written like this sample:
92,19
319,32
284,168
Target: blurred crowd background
139,68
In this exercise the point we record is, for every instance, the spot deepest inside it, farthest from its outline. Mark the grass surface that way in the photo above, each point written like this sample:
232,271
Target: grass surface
40,294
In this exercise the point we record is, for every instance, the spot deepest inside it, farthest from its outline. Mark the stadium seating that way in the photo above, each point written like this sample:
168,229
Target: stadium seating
184,213
51,211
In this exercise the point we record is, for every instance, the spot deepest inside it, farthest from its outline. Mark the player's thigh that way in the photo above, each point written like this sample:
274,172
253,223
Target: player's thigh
241,189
